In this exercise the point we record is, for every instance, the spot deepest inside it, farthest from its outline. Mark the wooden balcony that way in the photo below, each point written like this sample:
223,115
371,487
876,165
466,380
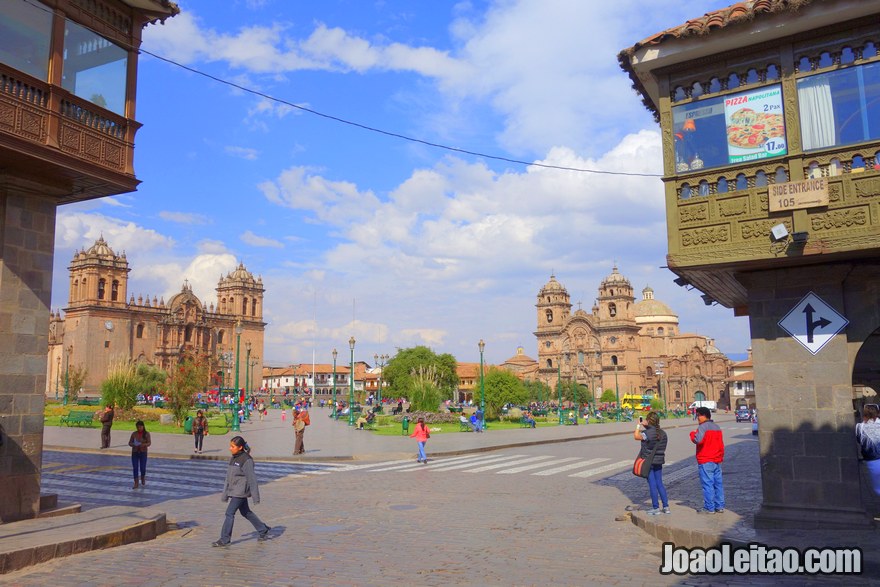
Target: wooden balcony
714,234
53,143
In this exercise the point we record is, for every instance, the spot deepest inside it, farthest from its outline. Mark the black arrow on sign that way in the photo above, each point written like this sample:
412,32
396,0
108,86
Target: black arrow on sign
811,325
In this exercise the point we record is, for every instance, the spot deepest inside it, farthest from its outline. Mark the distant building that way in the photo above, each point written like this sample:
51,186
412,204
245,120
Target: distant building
742,383
623,345
99,326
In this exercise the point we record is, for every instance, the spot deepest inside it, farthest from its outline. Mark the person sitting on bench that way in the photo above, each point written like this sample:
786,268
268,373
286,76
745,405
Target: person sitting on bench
368,419
465,422
529,419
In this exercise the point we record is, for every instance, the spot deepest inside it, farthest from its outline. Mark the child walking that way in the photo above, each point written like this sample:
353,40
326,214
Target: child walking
241,483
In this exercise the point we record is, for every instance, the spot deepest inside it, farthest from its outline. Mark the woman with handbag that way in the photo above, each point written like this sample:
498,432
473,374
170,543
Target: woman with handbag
653,451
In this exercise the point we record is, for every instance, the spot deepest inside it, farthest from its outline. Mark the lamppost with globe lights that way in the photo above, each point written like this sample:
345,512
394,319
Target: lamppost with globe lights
616,387
236,424
482,346
381,361
351,342
335,408
67,375
559,386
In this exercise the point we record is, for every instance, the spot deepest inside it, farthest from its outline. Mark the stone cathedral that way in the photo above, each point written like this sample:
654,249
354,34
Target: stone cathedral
103,323
632,346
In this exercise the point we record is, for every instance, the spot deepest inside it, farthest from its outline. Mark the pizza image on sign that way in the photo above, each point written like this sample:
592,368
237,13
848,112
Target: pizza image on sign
750,130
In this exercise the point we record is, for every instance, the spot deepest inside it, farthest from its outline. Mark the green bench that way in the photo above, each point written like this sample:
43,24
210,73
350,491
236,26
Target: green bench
465,427
540,412
454,410
78,417
86,401
524,422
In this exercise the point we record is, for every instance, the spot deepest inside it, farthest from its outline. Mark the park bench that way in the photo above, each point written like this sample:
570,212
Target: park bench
86,401
454,410
540,412
465,427
524,423
78,417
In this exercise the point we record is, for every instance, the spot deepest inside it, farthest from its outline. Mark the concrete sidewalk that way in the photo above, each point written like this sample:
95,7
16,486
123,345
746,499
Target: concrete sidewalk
327,439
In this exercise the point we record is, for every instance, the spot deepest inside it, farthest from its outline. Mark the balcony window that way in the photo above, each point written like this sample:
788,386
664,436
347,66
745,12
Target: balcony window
25,31
730,129
94,68
840,107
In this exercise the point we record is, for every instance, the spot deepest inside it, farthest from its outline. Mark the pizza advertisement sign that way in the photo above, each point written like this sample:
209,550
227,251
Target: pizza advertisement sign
755,125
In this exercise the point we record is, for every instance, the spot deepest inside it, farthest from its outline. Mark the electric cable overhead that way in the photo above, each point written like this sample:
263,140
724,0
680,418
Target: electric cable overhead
367,127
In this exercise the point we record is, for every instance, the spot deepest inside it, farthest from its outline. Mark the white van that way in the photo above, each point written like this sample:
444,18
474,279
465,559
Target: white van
704,404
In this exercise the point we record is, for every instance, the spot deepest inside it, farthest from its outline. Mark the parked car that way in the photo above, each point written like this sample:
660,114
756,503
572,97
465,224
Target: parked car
743,414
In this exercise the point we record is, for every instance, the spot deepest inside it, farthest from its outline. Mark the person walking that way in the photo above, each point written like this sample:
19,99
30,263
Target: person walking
199,430
300,421
868,437
652,436
241,483
710,454
421,434
139,442
106,425
262,409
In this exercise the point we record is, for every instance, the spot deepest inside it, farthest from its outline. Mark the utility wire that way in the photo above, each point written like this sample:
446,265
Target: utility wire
358,124
386,132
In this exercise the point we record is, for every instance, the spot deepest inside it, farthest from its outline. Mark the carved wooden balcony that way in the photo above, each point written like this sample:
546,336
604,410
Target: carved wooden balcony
47,132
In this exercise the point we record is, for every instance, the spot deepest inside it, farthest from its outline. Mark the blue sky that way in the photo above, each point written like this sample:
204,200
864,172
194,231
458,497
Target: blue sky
355,233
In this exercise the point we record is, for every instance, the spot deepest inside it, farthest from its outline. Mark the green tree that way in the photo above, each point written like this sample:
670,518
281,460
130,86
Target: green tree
150,379
120,388
608,396
502,387
538,391
189,377
75,377
657,404
404,367
425,394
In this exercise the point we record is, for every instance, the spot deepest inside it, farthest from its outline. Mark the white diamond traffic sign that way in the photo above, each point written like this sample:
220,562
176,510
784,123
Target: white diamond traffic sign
813,323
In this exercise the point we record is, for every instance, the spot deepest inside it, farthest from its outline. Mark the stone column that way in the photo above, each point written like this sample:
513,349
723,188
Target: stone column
809,466
27,242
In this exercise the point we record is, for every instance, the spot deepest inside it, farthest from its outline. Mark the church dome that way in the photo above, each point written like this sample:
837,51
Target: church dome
649,308
101,249
520,358
615,278
241,273
553,285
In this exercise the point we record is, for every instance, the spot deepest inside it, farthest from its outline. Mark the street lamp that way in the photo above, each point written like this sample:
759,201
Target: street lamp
335,410
247,379
236,424
351,385
616,387
58,377
67,375
380,362
659,365
482,346
559,386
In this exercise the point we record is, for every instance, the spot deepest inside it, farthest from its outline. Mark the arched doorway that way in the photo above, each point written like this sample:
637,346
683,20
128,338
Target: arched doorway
699,396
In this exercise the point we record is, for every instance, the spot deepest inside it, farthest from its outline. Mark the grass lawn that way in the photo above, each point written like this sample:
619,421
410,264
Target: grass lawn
216,422
388,427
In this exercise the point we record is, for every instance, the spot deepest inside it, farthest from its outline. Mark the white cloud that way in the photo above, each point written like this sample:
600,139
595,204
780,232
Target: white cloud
183,217
260,241
245,153
75,229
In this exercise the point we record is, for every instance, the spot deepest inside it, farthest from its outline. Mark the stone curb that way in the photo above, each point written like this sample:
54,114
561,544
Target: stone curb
17,558
687,537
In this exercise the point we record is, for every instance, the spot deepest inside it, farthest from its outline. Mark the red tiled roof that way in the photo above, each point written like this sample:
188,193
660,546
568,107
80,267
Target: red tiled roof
735,14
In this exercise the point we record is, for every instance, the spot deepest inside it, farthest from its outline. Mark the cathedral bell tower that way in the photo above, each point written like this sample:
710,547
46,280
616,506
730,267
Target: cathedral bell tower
98,277
554,311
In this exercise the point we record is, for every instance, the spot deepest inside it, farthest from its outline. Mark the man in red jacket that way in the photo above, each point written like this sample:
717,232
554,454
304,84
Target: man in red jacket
710,454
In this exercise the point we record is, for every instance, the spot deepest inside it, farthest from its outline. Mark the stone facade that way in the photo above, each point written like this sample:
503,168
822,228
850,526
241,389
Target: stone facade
634,348
27,231
100,327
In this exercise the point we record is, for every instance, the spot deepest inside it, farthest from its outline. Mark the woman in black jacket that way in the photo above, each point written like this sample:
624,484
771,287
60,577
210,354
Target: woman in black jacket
650,437
241,483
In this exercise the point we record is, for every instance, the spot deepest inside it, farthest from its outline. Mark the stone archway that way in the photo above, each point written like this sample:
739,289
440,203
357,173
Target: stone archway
699,396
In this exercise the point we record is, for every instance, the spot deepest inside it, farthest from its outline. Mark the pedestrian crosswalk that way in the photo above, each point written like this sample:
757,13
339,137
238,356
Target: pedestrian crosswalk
501,464
108,481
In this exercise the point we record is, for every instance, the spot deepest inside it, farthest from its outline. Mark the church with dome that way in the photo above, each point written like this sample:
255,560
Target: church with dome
103,324
630,347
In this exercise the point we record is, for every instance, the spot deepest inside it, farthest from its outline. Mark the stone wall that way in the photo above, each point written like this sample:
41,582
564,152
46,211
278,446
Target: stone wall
27,240
809,457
